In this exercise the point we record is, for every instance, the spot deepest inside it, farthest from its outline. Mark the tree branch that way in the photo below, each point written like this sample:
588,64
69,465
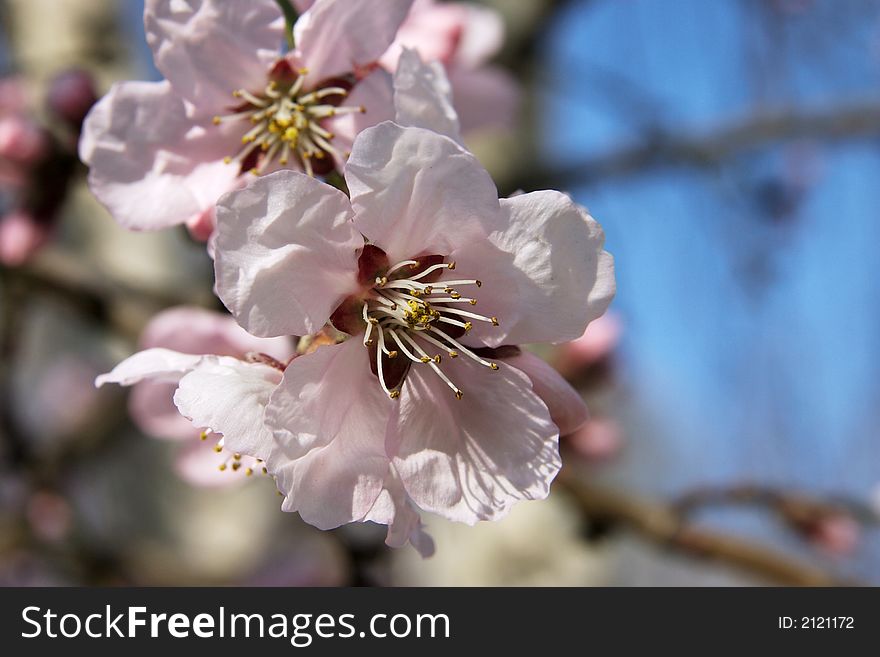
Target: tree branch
708,149
663,524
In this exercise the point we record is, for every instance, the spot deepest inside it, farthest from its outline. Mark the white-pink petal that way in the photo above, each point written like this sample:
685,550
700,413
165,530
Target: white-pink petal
415,192
329,417
423,96
286,253
336,37
208,48
199,331
472,459
153,364
562,276
567,408
149,164
228,396
151,407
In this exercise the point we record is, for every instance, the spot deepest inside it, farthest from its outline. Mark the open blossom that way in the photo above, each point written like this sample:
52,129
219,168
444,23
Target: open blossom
463,37
436,281
232,104
175,342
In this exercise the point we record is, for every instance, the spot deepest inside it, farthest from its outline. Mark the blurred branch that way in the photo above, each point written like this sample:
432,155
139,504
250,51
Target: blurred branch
664,524
846,121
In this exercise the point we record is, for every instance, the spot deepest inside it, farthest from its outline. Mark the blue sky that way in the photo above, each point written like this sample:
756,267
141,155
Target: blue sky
751,349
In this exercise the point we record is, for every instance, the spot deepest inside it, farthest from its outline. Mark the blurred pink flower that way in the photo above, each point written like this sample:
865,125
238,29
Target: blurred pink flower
373,429
21,235
837,534
186,334
463,37
596,344
161,153
599,439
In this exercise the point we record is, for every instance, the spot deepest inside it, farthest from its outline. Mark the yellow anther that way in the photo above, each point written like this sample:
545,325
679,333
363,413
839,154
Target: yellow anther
494,321
394,394
392,354
437,359
222,467
237,457
218,449
459,394
216,120
255,171
425,359
282,122
468,326
473,302
479,283
203,435
248,472
303,71
265,470
453,354
236,94
455,295
236,466
493,366
227,160
428,290
282,161
451,265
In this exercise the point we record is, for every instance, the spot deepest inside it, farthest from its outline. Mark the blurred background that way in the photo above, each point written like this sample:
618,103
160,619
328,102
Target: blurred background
731,151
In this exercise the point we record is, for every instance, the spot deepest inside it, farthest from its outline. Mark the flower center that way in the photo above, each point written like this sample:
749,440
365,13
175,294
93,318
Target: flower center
410,316
287,122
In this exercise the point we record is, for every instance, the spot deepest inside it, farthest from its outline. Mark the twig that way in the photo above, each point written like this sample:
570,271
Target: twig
661,523
708,149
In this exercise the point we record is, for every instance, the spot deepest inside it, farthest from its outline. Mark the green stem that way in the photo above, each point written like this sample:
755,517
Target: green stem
290,17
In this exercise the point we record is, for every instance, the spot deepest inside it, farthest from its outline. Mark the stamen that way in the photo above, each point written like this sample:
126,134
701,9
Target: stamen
430,362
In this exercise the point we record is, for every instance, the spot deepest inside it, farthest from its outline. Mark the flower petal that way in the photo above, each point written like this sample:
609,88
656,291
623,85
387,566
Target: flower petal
486,98
194,330
227,396
567,408
329,417
149,164
154,364
561,276
482,36
335,37
208,48
394,508
375,93
417,192
152,409
423,96
286,253
472,459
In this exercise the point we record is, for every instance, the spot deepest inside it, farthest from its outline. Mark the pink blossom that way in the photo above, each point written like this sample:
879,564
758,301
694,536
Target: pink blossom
598,440
232,104
174,343
419,409
463,37
596,344
21,235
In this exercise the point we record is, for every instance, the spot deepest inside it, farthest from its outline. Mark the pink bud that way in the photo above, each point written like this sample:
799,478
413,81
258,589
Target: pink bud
201,225
49,516
71,96
837,534
597,342
21,235
22,140
598,440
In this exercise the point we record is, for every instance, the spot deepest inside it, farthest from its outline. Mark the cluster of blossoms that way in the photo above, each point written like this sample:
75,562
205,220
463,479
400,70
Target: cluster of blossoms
409,293
37,159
